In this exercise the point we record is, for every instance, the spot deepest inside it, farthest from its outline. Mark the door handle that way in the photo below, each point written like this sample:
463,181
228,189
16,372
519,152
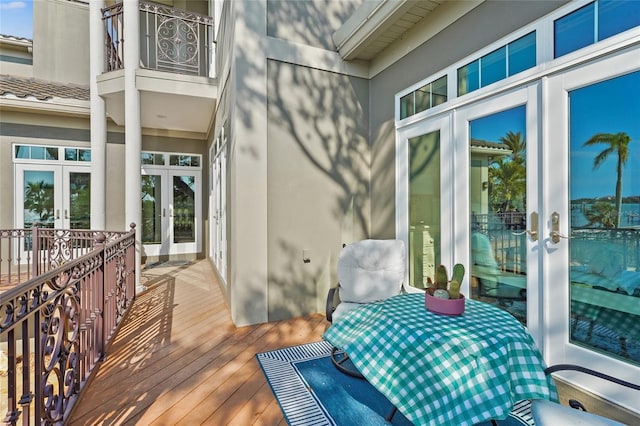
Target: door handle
66,214
533,232
164,212
57,214
555,228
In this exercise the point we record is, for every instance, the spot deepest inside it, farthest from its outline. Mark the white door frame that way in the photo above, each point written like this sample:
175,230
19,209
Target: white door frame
529,96
166,245
440,123
556,198
60,184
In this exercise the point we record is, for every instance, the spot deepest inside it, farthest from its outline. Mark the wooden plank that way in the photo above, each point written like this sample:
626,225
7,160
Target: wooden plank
179,358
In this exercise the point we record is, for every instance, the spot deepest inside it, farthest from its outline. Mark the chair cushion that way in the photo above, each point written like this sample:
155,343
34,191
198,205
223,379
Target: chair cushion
371,270
549,413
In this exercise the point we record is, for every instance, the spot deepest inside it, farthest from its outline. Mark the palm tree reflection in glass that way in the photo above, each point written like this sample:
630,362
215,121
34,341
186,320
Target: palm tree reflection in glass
617,143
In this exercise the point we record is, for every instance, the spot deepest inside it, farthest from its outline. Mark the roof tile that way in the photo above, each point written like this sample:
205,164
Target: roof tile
40,89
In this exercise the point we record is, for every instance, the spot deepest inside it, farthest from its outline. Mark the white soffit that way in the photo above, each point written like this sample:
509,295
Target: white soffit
383,31
377,23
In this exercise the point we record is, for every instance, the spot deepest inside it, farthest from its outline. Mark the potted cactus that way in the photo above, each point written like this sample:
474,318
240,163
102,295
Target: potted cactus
443,296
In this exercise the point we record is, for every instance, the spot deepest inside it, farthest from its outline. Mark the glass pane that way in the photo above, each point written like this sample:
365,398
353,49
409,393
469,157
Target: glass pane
615,16
184,209
71,154
80,200
37,153
84,155
424,207
605,216
151,158
151,209
498,210
406,106
184,160
23,151
52,153
469,78
574,31
39,198
423,98
494,66
522,54
439,89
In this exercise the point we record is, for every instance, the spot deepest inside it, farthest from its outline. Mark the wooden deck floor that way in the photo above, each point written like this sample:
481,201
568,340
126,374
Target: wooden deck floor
178,358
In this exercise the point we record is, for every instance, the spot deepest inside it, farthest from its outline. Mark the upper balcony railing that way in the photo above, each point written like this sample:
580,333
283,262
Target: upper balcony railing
56,326
171,40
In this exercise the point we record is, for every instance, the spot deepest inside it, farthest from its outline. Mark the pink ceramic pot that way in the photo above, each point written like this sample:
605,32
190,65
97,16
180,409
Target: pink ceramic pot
444,306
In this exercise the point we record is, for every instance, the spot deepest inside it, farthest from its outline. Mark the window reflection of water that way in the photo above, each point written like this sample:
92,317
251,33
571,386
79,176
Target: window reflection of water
630,215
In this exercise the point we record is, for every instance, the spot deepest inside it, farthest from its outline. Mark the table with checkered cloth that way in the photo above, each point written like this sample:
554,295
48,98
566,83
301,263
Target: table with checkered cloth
439,369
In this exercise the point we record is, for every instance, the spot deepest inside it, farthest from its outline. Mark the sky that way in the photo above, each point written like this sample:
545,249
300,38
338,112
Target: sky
611,106
16,18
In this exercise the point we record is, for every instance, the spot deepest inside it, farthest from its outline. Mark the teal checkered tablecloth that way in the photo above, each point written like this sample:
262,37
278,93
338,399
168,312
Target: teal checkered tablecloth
439,369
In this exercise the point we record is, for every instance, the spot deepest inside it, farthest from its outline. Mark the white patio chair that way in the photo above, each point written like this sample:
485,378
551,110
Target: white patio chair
368,271
547,413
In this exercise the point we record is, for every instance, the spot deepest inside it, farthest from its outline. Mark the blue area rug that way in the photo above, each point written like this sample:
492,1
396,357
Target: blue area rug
311,391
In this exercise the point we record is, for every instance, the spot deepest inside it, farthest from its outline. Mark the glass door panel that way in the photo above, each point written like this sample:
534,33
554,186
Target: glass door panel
184,209
152,206
497,187
170,211
605,217
39,198
424,207
77,211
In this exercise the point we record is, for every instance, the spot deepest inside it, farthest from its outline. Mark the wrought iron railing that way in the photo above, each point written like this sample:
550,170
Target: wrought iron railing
622,242
57,326
507,241
171,40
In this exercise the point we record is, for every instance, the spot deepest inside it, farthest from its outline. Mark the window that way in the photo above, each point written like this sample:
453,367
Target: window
184,160
428,96
617,16
574,31
424,207
152,158
605,214
75,154
503,62
50,153
594,22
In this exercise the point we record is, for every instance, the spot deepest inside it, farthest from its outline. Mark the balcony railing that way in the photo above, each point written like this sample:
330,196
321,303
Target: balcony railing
171,40
56,327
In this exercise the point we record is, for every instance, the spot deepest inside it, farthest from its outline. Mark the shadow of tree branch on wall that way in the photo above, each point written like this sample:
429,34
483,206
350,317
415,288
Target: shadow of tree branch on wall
318,153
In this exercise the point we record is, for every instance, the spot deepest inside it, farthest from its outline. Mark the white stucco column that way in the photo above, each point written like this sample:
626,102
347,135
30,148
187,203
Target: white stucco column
98,118
133,130
248,240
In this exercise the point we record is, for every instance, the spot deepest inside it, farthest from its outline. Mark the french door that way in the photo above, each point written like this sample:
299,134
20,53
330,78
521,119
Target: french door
54,196
471,198
425,154
218,209
592,273
540,199
497,208
171,211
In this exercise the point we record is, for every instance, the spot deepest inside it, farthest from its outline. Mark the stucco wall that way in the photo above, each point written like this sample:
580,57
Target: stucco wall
32,129
462,38
65,57
309,22
270,225
318,181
